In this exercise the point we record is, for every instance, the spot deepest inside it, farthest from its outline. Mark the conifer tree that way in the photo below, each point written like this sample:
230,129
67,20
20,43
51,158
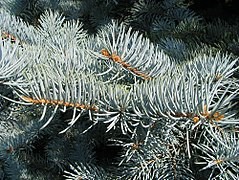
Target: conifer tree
139,89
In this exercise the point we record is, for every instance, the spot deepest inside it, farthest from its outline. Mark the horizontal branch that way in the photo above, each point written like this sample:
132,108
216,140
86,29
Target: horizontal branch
127,66
59,102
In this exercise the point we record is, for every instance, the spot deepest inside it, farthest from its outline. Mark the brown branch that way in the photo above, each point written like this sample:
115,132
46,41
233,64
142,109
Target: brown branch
58,102
127,66
6,35
217,116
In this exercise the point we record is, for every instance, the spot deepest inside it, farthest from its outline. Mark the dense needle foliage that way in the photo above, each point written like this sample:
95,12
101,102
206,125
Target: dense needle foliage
116,89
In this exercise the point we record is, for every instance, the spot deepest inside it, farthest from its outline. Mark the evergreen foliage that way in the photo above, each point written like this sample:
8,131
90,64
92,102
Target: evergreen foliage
139,89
